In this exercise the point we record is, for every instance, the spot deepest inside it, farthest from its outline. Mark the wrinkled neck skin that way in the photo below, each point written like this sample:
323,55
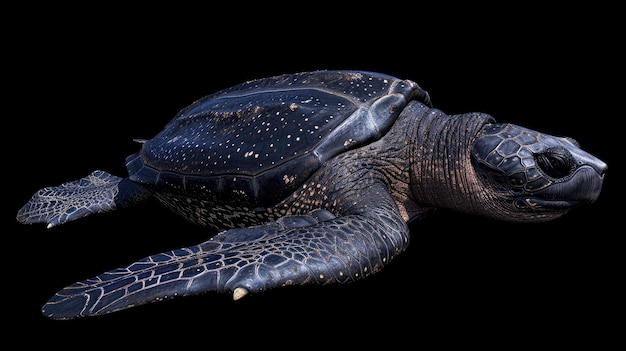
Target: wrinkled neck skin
442,175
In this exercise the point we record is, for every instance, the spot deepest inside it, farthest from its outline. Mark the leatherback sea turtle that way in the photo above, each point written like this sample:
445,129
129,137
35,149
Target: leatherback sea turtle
311,178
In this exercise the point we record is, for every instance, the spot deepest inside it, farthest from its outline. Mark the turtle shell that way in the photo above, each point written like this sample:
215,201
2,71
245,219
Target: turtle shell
263,138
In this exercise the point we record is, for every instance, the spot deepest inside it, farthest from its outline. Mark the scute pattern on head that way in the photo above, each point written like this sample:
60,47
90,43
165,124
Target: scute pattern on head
515,154
532,175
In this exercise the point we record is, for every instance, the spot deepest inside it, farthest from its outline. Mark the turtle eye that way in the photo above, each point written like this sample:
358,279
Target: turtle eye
555,162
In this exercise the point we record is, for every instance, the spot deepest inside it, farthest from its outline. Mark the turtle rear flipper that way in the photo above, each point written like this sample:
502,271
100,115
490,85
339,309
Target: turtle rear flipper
96,193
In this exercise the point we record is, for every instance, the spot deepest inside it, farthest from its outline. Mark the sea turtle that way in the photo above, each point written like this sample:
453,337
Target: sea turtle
311,178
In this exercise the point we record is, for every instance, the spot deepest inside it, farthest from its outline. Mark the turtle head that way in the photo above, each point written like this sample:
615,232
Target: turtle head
533,177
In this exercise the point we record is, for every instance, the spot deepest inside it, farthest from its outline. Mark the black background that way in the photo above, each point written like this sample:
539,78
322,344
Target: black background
80,84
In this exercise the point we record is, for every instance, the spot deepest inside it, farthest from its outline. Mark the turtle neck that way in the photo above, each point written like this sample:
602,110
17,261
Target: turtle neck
442,175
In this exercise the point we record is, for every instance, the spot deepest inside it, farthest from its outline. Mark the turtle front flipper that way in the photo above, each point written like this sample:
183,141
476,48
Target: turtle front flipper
96,193
295,250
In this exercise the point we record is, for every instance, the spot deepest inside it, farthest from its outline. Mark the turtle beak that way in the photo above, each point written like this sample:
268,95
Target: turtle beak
590,174
582,186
